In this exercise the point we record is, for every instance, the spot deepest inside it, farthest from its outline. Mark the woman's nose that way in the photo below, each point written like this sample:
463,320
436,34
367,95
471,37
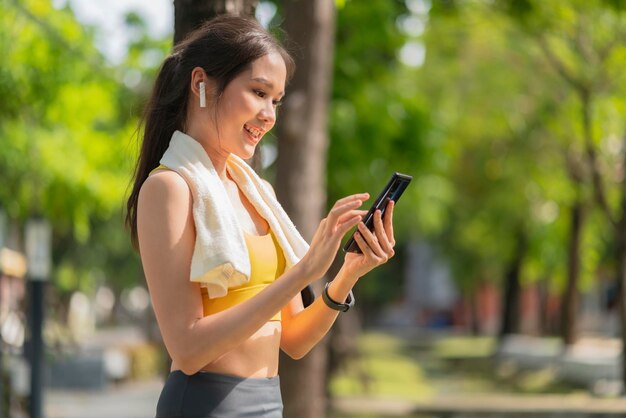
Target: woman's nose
268,113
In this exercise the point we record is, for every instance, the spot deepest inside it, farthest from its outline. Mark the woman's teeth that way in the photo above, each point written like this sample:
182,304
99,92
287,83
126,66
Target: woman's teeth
254,132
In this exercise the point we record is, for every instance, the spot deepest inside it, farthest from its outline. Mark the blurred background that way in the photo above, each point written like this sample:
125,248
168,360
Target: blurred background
506,294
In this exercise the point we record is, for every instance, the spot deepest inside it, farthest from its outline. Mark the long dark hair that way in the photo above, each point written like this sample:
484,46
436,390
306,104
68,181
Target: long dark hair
224,47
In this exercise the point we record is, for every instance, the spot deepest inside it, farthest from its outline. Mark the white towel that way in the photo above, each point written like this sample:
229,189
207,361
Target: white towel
220,258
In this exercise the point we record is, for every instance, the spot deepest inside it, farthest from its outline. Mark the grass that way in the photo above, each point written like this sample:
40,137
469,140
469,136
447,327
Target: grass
383,370
463,347
390,368
467,360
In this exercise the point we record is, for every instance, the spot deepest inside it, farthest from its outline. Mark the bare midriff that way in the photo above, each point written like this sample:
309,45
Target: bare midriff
256,357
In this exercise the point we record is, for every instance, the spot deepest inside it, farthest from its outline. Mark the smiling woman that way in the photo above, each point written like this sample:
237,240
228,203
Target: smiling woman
224,263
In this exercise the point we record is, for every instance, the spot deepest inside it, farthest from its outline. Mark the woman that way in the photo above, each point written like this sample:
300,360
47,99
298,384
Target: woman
218,92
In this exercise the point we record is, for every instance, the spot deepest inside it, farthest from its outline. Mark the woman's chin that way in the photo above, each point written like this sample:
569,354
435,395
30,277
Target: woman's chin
246,153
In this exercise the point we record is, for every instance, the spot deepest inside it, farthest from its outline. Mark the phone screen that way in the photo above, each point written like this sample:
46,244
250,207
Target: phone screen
392,191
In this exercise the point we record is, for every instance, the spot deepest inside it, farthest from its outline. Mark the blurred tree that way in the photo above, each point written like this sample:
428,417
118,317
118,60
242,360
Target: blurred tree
62,135
587,57
491,121
563,99
378,125
511,153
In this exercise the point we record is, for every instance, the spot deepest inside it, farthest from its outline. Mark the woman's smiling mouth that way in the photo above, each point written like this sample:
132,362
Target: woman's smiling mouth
254,133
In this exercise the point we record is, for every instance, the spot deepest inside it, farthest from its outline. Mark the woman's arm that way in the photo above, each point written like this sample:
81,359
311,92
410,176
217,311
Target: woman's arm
166,240
303,328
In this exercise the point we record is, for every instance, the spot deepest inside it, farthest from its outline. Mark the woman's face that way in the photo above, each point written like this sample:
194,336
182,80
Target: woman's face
247,109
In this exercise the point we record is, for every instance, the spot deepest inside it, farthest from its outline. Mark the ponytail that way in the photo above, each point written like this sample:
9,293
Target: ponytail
163,115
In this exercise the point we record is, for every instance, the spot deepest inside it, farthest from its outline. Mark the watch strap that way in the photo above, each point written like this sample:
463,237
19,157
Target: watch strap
332,304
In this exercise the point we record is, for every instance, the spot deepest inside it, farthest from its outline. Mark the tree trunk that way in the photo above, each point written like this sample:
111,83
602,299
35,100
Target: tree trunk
545,328
571,296
189,14
512,290
300,172
474,316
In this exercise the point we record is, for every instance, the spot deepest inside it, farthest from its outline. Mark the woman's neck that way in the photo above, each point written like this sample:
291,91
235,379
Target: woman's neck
218,157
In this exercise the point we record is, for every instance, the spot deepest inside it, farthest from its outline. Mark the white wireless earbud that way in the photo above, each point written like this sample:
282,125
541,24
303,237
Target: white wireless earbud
202,94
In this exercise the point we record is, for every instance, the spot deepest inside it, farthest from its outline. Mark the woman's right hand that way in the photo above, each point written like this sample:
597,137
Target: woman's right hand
342,217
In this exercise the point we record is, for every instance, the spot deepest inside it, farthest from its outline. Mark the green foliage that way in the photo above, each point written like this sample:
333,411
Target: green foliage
378,125
511,129
66,130
487,127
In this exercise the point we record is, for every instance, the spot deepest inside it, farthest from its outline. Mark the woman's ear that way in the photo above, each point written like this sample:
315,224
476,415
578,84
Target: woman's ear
201,86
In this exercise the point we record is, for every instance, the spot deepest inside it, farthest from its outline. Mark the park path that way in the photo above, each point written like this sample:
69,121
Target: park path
138,400
487,406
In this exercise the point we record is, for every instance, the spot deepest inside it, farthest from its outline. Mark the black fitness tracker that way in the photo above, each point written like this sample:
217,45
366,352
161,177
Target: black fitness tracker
343,307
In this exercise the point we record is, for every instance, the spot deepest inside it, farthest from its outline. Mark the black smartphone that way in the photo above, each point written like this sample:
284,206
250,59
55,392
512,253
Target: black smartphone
392,191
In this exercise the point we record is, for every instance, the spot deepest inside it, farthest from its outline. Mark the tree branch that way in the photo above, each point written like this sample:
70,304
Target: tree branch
584,92
558,65
590,152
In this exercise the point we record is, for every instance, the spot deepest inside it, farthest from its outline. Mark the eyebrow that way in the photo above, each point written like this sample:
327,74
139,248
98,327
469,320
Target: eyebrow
267,83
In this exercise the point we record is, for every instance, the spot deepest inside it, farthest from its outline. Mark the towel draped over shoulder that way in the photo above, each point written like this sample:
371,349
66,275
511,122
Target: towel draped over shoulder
220,258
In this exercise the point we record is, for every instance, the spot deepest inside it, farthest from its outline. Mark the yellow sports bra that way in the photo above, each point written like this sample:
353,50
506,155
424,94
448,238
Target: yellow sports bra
267,263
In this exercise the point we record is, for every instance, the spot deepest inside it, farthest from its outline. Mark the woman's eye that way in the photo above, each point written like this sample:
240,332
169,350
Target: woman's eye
262,95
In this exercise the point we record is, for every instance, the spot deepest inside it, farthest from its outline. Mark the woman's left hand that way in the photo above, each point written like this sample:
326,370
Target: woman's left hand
376,247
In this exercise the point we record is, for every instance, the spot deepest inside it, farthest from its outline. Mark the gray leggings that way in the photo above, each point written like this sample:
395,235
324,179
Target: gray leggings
214,395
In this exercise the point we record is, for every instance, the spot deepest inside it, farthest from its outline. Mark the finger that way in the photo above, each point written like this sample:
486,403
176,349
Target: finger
379,231
389,222
365,248
340,214
336,212
350,214
371,240
347,225
359,196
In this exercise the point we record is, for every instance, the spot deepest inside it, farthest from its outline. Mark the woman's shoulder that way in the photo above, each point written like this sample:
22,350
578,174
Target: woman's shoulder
165,187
